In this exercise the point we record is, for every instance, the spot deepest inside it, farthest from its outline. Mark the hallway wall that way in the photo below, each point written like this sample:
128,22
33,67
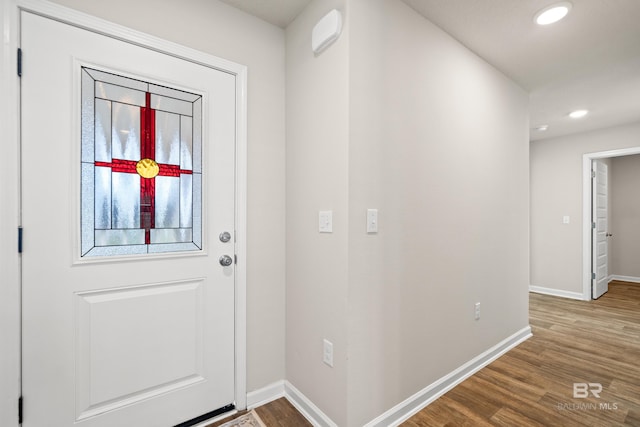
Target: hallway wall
556,190
439,145
398,116
317,267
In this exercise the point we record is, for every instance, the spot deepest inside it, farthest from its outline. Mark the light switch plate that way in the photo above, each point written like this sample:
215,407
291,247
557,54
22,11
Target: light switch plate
325,222
327,352
566,219
372,220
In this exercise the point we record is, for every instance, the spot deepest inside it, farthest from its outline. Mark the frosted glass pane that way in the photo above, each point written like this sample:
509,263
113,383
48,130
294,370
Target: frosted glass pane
126,200
120,94
125,142
103,131
88,99
119,237
173,93
172,247
167,138
197,209
167,200
171,235
186,143
172,105
118,80
197,136
87,196
103,198
186,200
117,250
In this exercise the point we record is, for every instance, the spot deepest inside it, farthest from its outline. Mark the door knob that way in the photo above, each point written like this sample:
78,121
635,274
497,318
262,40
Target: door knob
225,260
225,236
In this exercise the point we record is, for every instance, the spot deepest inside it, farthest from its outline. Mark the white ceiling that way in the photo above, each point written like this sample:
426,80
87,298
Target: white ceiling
590,59
277,12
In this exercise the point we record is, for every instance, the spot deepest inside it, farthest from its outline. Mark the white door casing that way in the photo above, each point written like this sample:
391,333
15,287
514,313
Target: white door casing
600,230
587,212
83,356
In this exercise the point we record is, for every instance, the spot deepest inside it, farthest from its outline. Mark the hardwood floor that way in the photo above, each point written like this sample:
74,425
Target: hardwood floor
595,342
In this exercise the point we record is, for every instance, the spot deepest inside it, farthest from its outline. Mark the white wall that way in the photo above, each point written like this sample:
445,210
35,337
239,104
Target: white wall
625,216
439,144
317,177
218,29
556,190
400,117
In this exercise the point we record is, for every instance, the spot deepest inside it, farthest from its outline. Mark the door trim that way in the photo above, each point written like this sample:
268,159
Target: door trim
9,218
587,200
9,191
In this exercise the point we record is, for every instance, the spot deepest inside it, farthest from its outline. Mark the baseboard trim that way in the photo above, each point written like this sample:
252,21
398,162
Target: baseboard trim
624,278
399,413
265,394
556,292
406,409
311,412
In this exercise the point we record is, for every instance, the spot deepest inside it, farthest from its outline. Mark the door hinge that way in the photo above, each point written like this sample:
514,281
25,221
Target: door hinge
235,258
19,240
593,276
20,410
19,62
593,225
593,174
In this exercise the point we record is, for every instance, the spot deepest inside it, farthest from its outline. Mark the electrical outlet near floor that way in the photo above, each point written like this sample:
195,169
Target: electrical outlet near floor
477,311
327,352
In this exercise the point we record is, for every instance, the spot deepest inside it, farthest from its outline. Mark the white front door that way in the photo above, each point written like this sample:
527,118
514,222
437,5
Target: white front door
127,189
600,282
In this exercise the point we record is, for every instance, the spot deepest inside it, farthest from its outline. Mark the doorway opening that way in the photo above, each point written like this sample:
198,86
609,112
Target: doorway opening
588,241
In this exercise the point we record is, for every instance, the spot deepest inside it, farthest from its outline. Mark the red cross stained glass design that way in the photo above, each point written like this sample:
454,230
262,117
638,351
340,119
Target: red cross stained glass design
146,167
141,166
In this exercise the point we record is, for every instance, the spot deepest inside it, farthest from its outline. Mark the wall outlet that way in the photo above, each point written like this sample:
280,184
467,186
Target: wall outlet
477,311
327,352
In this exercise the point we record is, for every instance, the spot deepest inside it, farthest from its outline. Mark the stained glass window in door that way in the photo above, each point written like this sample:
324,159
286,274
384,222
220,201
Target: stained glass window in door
141,167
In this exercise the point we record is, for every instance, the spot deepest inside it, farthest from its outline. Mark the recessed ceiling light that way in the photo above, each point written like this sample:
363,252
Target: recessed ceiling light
578,113
541,128
553,13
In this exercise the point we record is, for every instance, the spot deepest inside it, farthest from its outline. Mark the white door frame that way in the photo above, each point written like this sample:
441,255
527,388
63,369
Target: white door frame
587,196
9,218
10,188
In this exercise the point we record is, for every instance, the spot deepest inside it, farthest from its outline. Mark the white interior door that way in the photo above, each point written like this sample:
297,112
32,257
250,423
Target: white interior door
128,180
600,282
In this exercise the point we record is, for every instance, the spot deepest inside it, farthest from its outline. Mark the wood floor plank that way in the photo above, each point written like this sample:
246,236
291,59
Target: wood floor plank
507,417
511,385
450,412
281,413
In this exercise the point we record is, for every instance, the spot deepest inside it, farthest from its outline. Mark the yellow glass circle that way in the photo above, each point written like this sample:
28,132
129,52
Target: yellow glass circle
147,168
